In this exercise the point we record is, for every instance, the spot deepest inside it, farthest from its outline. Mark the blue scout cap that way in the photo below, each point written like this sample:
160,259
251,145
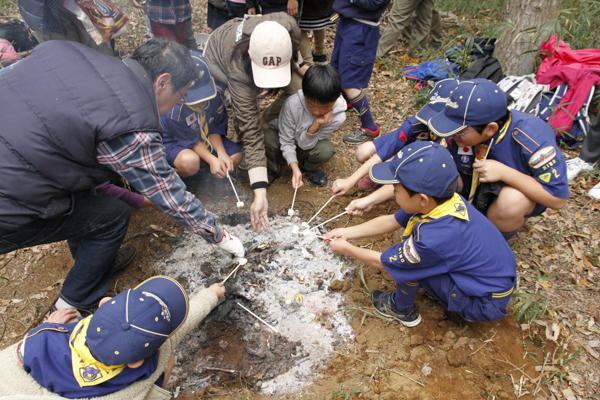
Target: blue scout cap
134,324
474,102
439,96
423,167
204,88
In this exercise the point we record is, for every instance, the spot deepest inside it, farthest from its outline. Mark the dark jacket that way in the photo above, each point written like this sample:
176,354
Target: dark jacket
42,15
370,10
56,107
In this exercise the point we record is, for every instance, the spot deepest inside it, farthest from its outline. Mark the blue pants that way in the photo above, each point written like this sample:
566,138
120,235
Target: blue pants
94,230
354,51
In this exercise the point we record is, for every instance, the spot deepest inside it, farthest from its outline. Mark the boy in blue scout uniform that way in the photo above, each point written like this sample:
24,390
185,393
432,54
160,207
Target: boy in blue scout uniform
354,49
196,131
438,225
116,347
414,129
513,154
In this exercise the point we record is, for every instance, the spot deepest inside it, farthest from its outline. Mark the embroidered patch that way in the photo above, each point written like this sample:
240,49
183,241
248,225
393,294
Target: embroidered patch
465,150
542,157
165,310
444,143
422,136
465,159
400,154
90,373
546,177
191,119
410,253
402,136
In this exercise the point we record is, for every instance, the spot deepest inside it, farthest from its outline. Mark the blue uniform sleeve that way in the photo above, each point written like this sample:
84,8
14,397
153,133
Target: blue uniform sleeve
180,128
402,217
369,4
216,115
389,145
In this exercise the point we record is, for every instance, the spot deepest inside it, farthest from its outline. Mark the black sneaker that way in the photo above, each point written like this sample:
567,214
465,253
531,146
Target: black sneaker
272,176
361,136
317,178
126,256
382,301
321,58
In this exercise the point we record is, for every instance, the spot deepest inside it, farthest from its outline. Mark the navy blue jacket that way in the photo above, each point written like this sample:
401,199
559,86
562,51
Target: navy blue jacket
370,10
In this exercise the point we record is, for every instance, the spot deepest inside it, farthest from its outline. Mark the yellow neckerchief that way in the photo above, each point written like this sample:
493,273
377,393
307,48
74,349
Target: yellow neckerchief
454,206
484,150
86,369
201,113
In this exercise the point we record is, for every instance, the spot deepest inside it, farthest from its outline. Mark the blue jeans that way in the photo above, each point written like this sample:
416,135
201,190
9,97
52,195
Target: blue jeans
236,9
94,230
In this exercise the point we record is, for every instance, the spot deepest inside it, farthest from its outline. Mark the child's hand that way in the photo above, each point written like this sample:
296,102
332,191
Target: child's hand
218,288
341,186
227,160
489,170
297,179
339,233
292,7
325,118
339,246
218,167
359,206
63,316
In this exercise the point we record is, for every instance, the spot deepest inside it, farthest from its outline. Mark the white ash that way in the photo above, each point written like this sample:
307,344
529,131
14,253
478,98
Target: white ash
307,260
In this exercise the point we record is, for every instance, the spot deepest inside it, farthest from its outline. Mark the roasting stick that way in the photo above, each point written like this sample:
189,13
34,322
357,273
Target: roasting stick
242,261
330,219
239,204
258,318
291,210
314,216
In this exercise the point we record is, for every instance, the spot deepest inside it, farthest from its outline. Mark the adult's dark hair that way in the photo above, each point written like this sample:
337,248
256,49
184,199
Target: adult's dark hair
322,83
454,186
161,55
500,121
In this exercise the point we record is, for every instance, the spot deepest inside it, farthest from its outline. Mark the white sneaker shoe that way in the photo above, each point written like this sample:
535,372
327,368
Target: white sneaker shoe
576,165
595,192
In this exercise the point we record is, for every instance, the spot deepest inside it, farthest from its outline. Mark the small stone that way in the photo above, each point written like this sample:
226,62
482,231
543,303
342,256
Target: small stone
337,285
457,357
461,343
438,338
443,324
361,339
449,335
416,340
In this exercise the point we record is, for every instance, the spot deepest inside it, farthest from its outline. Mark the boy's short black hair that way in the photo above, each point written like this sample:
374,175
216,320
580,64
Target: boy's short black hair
500,121
454,186
322,83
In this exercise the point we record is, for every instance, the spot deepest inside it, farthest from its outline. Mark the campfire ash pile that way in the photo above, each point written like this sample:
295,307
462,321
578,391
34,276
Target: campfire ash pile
286,284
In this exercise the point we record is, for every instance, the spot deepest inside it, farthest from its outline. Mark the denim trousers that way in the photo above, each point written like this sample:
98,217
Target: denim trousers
94,231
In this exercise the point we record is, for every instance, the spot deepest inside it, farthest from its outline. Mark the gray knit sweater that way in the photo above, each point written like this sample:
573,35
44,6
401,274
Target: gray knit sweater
294,121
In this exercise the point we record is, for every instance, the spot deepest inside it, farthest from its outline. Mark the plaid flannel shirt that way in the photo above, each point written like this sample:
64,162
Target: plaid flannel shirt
139,157
169,12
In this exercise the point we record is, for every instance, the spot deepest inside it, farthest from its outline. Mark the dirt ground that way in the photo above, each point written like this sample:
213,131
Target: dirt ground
552,354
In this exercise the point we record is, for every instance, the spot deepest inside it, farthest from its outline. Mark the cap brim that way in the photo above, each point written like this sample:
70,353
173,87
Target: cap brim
173,294
268,78
201,92
383,174
442,126
426,113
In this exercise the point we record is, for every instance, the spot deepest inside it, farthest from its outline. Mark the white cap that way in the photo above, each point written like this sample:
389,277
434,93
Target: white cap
271,52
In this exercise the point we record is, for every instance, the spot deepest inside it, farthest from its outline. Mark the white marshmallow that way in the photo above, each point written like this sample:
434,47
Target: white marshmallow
295,229
290,212
304,225
240,204
243,261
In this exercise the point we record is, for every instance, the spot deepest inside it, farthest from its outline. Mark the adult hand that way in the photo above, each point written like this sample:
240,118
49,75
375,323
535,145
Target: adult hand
258,211
218,167
359,206
292,7
252,11
138,5
339,246
231,244
227,160
339,233
63,316
489,170
341,186
218,288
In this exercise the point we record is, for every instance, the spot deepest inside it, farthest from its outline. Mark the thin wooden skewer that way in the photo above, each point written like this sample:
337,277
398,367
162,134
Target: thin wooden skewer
258,318
294,199
330,219
234,191
314,216
231,273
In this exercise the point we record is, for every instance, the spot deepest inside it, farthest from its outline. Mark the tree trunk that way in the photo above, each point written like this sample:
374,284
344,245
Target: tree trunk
518,48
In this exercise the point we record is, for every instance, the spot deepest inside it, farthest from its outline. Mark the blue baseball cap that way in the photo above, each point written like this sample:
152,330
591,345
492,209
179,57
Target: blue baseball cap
204,87
439,96
474,102
423,167
133,325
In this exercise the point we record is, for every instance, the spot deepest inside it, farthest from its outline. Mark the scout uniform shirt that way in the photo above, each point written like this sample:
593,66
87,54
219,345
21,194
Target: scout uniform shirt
457,240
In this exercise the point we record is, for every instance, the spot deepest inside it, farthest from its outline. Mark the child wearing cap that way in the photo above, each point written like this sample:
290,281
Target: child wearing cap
354,48
306,121
510,165
125,348
438,226
414,129
196,132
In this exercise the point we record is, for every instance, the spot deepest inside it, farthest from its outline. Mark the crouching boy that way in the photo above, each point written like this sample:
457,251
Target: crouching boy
124,348
448,248
305,122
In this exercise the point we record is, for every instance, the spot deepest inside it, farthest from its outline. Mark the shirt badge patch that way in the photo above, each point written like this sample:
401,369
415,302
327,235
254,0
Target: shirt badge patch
422,136
410,253
542,157
191,119
90,373
465,150
402,136
546,177
465,159
444,143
